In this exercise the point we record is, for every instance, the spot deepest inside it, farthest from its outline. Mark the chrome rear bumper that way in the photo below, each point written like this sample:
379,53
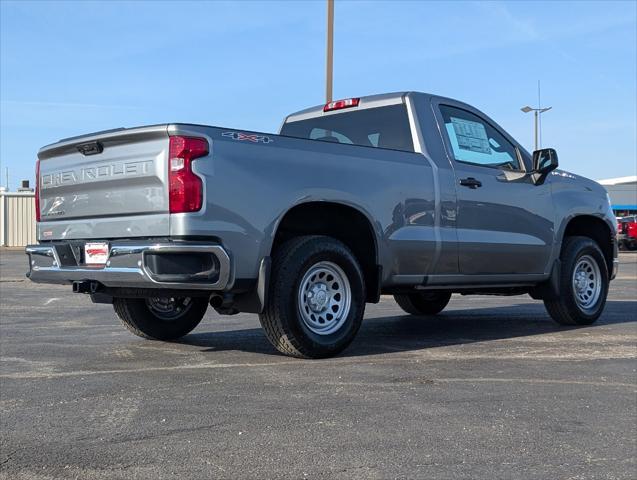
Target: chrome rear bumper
127,266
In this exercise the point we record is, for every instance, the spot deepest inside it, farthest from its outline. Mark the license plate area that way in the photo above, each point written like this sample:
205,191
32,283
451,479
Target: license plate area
95,253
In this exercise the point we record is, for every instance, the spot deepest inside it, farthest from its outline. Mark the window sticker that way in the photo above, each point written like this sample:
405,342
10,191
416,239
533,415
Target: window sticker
471,136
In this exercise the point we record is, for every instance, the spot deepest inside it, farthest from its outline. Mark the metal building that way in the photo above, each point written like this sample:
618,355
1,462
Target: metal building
623,194
17,219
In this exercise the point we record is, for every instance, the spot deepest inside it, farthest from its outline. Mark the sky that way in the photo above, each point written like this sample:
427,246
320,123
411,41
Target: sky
68,68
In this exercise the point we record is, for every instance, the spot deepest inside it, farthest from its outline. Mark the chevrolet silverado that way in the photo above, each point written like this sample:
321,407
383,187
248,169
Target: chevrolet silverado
404,194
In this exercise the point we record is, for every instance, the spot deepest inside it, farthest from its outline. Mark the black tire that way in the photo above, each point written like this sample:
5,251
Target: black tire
566,309
282,320
140,318
423,303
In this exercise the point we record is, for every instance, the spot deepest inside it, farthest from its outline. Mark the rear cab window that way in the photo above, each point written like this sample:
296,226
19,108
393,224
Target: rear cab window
377,127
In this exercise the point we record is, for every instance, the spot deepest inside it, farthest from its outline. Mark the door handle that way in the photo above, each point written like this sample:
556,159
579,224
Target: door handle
470,182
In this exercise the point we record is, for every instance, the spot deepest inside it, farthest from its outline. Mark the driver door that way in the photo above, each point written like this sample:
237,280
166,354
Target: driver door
504,221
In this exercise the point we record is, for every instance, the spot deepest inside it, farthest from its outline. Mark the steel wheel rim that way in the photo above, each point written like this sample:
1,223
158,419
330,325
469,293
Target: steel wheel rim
587,282
169,308
324,298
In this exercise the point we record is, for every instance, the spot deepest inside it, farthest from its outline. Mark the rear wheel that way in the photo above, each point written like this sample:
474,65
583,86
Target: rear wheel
160,318
423,303
316,298
583,283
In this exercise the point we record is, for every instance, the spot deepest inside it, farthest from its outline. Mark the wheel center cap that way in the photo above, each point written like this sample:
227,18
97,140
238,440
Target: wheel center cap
320,299
580,281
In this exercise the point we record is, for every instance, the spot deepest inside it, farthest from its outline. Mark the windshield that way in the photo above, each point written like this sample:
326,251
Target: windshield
380,127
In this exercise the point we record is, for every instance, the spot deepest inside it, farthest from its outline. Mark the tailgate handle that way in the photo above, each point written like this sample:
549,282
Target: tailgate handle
91,148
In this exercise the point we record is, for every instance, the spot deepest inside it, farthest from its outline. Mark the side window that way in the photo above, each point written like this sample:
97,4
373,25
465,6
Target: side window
474,140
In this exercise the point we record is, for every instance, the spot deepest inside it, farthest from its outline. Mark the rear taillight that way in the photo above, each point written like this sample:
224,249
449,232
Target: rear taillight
37,190
185,188
340,104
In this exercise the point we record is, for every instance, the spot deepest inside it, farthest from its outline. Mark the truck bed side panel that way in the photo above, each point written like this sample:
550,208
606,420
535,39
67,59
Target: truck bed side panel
251,185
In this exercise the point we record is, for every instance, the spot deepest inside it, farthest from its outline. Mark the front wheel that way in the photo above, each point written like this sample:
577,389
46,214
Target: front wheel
316,298
161,318
583,283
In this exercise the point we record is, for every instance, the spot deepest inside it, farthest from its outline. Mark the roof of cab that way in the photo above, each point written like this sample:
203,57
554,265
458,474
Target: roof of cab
369,101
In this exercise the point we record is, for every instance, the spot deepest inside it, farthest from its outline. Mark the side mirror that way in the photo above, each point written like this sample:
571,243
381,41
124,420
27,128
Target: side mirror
544,162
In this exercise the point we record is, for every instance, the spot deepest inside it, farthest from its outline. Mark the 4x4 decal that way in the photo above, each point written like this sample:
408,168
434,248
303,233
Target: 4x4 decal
250,137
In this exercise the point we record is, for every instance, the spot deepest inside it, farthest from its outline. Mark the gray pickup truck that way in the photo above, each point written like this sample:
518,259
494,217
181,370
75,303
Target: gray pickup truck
407,194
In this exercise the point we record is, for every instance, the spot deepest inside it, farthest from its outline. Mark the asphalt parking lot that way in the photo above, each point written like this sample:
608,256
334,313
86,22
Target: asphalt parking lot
491,388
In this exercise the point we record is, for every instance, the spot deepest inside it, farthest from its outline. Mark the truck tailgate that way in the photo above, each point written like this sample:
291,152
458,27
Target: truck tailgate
105,185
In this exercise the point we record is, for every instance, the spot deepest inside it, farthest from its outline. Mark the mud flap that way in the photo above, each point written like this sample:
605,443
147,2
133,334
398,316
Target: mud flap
549,289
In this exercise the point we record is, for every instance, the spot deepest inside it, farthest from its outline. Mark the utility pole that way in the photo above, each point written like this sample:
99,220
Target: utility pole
6,177
330,51
536,114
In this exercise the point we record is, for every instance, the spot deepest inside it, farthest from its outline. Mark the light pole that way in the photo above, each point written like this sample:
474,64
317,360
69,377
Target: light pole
536,113
330,51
